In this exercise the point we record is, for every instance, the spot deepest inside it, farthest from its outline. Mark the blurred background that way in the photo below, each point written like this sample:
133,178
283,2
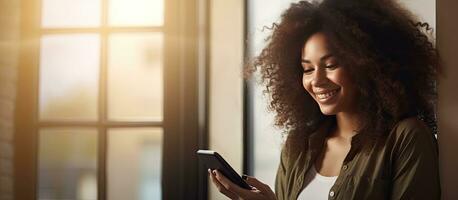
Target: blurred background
110,99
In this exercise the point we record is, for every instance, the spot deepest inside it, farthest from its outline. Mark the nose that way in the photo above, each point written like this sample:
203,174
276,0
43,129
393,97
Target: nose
319,77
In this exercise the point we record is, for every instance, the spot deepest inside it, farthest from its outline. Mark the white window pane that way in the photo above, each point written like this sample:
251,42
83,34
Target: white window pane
70,13
136,12
67,166
69,75
134,163
135,83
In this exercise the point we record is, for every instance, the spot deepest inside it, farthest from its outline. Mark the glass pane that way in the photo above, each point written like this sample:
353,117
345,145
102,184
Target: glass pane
69,77
141,148
136,12
67,166
70,13
135,76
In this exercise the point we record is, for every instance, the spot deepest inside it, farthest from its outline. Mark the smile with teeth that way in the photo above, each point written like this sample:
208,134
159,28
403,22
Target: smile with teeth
327,95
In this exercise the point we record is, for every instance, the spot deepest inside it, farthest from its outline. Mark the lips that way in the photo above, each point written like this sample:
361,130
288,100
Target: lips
326,95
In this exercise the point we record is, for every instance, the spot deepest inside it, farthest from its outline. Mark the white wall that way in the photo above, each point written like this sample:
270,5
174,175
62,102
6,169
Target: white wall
226,84
267,139
424,9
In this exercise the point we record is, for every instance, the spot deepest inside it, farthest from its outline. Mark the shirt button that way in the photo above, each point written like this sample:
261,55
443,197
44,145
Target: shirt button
331,193
345,167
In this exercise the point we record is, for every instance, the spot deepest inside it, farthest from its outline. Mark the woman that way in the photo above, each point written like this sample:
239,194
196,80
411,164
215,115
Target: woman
353,84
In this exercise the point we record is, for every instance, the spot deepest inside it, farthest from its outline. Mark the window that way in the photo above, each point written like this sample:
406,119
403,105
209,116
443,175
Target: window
92,107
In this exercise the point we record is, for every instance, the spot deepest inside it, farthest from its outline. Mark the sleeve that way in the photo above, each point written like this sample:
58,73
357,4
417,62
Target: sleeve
415,165
280,179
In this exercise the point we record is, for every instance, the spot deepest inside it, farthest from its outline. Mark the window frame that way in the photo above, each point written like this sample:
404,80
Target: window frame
185,95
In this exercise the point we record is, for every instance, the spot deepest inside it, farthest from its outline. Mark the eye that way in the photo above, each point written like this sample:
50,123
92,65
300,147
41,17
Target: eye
308,70
332,66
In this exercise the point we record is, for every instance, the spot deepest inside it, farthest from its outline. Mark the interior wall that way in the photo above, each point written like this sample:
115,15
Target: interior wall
266,139
447,43
226,83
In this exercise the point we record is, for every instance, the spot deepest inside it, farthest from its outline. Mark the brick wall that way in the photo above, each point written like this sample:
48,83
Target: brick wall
9,37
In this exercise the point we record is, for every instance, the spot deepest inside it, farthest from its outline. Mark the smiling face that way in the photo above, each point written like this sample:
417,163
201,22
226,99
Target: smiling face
324,79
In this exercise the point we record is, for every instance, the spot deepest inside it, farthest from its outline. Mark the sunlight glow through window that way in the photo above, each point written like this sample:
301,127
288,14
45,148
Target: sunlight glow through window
136,12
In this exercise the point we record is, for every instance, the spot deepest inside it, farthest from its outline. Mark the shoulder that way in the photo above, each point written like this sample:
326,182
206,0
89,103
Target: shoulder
293,146
298,143
410,128
411,133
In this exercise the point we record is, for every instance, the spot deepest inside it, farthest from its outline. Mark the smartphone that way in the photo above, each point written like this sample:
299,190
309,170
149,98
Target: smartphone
212,160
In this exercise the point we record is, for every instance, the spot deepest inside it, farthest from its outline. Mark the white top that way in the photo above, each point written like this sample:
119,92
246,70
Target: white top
316,186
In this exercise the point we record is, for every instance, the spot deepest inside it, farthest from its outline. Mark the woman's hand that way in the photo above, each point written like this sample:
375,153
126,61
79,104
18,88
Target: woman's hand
260,191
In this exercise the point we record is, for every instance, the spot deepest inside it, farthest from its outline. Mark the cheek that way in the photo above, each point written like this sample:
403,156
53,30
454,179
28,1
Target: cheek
306,84
340,78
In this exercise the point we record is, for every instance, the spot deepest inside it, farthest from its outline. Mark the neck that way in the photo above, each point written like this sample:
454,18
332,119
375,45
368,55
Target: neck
347,124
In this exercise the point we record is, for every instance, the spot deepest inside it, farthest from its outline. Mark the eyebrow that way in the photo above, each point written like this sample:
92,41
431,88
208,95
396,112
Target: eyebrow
321,59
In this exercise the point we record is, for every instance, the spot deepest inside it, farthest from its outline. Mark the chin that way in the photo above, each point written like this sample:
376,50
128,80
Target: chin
326,110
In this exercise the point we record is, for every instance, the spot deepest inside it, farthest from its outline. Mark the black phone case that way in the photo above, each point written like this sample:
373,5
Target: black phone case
212,160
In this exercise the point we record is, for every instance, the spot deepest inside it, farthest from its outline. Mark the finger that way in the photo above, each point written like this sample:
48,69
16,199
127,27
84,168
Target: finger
220,187
229,185
265,189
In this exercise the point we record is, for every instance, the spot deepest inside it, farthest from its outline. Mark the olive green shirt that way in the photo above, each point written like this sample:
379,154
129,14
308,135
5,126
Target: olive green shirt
402,165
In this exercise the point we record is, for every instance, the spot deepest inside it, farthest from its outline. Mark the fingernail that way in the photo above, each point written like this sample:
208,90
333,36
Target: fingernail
244,177
209,171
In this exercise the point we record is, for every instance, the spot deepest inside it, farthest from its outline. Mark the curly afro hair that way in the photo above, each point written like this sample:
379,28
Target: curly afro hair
386,50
